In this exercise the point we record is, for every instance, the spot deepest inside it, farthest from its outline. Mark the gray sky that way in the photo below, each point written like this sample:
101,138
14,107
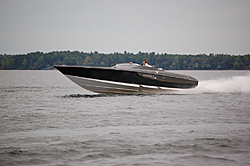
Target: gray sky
107,26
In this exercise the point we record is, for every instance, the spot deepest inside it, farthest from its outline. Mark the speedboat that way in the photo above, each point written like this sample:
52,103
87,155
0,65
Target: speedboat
126,78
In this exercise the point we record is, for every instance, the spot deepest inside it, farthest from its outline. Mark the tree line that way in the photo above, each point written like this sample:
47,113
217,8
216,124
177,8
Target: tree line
39,60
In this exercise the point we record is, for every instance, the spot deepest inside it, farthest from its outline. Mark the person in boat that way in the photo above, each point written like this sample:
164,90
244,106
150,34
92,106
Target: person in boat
145,63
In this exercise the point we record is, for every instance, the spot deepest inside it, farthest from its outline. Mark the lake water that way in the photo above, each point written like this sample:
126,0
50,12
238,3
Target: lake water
48,120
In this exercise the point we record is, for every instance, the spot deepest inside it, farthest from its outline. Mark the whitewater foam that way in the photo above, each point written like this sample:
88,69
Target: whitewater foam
235,84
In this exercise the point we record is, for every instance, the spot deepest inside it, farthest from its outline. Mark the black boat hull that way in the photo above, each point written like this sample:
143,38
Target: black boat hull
112,80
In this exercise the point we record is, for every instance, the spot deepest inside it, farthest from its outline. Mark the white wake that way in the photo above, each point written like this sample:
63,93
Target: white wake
236,84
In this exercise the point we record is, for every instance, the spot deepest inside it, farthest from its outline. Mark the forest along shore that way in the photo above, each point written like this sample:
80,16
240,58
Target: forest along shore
39,60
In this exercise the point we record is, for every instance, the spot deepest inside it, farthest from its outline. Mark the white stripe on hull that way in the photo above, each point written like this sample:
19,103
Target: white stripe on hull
104,86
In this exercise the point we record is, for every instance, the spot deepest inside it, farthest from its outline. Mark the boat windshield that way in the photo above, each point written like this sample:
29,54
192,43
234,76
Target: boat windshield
125,65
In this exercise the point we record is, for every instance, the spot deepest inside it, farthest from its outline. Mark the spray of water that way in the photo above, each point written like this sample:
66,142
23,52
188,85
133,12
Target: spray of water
236,84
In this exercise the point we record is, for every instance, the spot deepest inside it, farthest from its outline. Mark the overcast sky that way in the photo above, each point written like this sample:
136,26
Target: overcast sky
107,26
